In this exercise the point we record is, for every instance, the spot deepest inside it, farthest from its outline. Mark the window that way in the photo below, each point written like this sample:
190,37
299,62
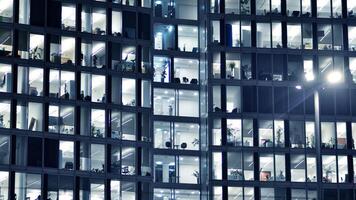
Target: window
164,37
5,110
5,42
128,92
28,186
329,169
30,81
31,46
296,134
216,131
66,155
237,7
6,11
234,166
168,102
185,71
29,116
188,38
24,11
59,187
67,50
341,135
293,8
215,30
330,37
310,134
247,132
68,17
306,8
4,184
124,61
61,119
342,169
240,166
272,167
216,65
183,9
93,54
298,171
238,34
263,35
294,32
160,193
351,8
263,7
214,6
188,103
233,63
328,64
311,168
162,69
92,122
328,135
6,78
176,135
90,188
216,165
122,190
337,8
116,23
94,20
303,168
123,160
123,125
92,88
180,169
4,150
233,132
265,132
352,38
92,157
61,84
276,35
307,34
324,8
233,99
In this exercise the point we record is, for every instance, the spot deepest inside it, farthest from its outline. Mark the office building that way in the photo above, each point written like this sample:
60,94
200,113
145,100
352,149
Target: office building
177,99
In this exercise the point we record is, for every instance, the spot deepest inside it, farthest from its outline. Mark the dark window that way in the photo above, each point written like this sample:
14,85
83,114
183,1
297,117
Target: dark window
34,152
326,101
129,24
342,102
280,99
296,101
249,98
265,99
264,67
329,194
54,14
51,153
144,26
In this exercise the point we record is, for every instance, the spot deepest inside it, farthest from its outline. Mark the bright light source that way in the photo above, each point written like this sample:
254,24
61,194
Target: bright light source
298,87
309,77
334,77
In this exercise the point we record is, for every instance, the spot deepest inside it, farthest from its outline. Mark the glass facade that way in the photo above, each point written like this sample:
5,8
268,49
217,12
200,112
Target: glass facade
177,99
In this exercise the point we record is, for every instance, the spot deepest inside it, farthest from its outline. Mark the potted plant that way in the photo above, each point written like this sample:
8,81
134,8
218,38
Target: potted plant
195,142
232,69
163,73
279,136
196,174
230,135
